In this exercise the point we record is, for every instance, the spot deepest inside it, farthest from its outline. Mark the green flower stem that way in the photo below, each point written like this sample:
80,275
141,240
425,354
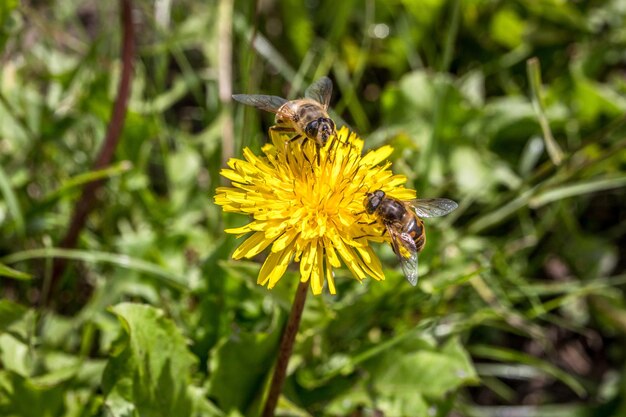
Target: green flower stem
286,347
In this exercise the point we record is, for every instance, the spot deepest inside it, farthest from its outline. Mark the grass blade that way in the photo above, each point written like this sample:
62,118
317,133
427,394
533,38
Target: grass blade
87,177
164,276
572,190
507,355
8,272
533,70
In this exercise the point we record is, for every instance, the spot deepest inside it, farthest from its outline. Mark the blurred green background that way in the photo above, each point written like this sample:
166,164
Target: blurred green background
520,308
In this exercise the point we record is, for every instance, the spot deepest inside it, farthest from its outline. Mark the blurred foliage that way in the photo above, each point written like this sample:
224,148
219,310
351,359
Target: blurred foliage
520,309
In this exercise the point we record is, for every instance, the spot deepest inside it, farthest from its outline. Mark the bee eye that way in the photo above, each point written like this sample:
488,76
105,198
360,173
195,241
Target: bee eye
311,129
371,203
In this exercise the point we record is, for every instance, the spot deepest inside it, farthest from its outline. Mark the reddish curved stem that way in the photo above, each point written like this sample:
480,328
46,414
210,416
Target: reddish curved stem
286,347
87,200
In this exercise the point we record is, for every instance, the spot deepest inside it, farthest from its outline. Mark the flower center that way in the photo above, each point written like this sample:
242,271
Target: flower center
320,205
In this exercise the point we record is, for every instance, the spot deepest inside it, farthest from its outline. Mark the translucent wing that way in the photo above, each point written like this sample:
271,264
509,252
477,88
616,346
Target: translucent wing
433,207
320,91
404,246
260,101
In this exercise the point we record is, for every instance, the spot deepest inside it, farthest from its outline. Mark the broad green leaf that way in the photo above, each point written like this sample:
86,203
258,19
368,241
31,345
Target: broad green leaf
471,173
6,7
507,28
345,403
17,324
243,354
10,313
404,405
435,372
21,397
15,355
16,320
594,99
149,373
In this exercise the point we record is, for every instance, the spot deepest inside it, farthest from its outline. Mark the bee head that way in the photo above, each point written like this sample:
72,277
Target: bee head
373,200
320,130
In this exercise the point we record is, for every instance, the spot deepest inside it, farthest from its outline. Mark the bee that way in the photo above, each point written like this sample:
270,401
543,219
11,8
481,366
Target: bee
307,117
402,220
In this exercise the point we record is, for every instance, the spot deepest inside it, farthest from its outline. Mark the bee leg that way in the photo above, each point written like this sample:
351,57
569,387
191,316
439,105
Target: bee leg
373,222
282,129
293,139
330,154
277,129
304,142
334,144
368,223
306,158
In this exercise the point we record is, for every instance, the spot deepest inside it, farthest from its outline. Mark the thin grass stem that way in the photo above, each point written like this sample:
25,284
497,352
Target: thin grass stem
533,70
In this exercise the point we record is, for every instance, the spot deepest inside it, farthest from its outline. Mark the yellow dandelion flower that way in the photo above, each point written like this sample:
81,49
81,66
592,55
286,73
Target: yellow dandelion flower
306,204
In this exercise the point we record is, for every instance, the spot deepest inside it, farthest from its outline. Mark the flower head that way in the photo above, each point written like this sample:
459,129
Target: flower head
307,206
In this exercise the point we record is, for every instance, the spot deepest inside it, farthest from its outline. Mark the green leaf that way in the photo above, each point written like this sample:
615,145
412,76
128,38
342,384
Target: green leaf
249,354
14,355
407,378
593,100
507,28
6,8
19,396
17,321
149,373
10,313
430,372
472,174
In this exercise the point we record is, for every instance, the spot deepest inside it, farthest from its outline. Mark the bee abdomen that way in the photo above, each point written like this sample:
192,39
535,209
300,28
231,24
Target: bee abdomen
415,229
420,242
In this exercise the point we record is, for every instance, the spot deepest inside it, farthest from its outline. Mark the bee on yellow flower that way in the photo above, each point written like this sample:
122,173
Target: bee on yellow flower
311,213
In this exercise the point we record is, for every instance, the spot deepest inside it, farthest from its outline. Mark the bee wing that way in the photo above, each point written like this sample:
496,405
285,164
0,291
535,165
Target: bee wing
433,207
404,246
320,91
260,101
